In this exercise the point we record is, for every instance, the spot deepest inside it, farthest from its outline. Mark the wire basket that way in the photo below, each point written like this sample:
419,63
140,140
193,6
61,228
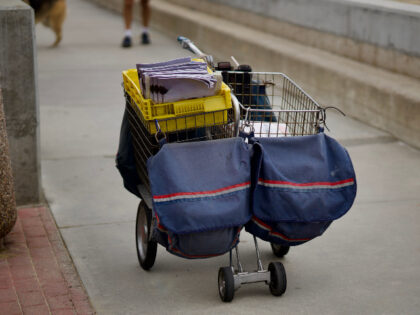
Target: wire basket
146,144
272,105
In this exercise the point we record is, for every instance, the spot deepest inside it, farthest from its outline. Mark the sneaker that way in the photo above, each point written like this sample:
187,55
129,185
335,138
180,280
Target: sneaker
145,40
126,42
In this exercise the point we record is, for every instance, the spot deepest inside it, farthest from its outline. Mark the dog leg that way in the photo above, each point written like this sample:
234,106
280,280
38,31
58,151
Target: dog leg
56,19
58,34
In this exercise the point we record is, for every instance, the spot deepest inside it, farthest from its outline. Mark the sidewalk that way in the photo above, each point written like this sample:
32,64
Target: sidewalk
37,275
368,262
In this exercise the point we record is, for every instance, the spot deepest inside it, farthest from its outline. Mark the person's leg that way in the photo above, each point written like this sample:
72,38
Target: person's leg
128,17
145,18
128,13
145,13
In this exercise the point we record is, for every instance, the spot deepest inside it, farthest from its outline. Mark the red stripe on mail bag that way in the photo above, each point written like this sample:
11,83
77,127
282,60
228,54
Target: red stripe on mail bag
201,194
314,185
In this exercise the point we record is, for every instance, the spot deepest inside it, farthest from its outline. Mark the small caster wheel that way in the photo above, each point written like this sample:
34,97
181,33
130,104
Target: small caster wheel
226,284
278,281
280,250
146,249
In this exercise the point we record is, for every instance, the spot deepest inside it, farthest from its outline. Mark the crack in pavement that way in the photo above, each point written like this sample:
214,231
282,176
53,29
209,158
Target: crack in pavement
93,224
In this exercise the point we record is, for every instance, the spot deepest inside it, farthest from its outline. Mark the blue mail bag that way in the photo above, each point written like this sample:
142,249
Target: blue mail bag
303,184
125,158
201,195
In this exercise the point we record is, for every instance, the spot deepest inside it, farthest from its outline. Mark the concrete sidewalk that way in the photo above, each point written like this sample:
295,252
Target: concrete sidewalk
367,262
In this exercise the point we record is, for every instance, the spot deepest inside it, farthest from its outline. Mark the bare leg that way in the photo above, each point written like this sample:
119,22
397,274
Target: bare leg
128,17
145,18
128,13
145,12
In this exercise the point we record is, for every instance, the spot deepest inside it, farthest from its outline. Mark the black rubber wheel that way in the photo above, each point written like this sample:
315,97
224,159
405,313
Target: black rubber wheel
146,249
278,280
280,250
226,284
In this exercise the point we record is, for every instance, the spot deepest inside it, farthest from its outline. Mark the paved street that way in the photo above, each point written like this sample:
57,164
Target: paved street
368,262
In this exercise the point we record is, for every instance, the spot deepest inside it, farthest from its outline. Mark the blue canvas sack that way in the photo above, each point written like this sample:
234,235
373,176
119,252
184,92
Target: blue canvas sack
124,159
302,184
201,195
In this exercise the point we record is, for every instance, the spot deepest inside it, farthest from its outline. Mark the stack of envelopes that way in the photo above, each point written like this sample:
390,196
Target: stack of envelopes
177,80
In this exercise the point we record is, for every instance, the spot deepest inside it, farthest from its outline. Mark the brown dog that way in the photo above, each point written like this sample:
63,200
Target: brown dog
51,13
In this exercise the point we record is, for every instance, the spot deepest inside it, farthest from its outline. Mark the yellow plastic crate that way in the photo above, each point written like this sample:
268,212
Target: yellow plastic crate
181,115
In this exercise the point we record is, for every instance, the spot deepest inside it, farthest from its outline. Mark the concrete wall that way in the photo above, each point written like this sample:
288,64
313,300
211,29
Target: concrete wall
18,84
383,23
380,33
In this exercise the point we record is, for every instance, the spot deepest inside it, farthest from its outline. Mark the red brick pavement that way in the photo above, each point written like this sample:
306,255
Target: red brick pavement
37,275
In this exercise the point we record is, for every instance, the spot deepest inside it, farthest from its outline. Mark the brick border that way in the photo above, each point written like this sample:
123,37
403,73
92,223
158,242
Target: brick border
37,275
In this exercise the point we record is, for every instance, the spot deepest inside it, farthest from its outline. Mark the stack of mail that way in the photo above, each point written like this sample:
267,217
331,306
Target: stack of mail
177,80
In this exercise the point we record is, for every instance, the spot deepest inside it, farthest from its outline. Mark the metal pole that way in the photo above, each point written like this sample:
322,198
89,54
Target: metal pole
259,264
237,259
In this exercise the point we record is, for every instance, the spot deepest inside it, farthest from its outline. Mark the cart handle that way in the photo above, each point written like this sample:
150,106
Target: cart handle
186,43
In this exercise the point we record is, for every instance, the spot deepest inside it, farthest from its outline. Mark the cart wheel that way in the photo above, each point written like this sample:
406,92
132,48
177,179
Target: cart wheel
280,250
226,284
278,281
146,250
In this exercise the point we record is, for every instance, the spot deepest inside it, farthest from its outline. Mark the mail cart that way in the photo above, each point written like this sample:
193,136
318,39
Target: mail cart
250,105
